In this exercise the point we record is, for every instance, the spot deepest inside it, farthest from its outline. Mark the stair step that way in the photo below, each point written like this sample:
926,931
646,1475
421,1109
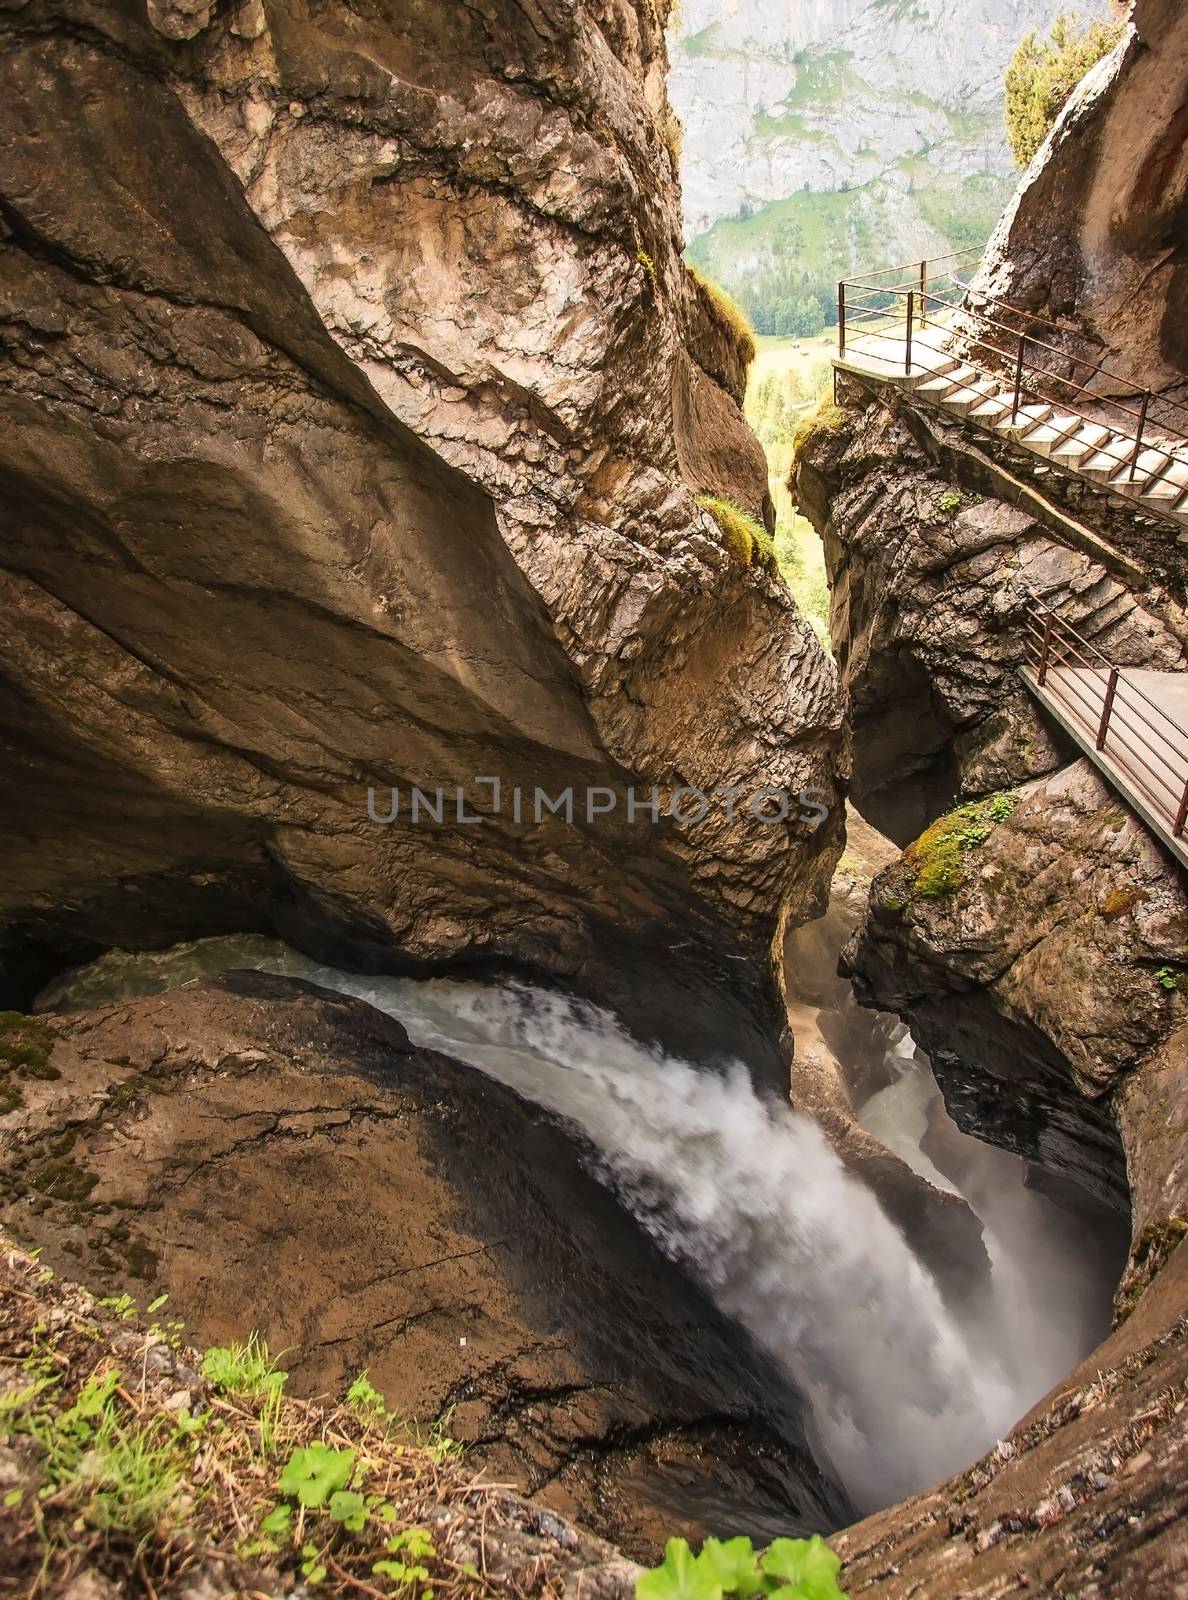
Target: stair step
940,383
993,407
964,401
938,369
1108,464
1029,416
1048,435
1081,444
1148,471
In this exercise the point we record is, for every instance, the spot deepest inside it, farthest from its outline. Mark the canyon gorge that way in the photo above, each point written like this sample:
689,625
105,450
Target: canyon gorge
702,1171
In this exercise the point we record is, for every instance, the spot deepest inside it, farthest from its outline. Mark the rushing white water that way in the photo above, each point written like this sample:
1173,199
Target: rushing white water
748,1195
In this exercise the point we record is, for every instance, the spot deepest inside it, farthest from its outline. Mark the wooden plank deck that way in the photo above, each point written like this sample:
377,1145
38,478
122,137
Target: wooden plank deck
1145,755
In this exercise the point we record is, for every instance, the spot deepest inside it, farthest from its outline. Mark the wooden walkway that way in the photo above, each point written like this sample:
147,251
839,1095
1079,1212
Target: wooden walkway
1132,723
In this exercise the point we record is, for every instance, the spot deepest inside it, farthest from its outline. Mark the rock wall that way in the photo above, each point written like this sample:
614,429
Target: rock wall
349,405
1037,941
934,555
1097,237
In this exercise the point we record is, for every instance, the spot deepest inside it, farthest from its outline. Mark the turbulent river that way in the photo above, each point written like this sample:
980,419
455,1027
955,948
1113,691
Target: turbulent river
747,1195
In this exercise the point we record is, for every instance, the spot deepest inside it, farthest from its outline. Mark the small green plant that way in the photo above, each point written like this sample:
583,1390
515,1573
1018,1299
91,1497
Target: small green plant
416,1546
646,263
1168,978
949,501
245,1369
364,1398
315,1472
249,1371
789,1569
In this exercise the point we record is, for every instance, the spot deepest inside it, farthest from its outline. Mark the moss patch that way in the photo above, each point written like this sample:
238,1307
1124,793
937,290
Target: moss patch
729,312
1151,1254
25,1046
934,865
1118,902
826,419
744,536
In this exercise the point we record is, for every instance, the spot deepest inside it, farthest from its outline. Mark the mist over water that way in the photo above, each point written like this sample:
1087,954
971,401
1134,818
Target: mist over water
745,1193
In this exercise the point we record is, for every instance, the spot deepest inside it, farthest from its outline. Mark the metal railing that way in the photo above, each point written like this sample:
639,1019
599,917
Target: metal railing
1148,746
895,314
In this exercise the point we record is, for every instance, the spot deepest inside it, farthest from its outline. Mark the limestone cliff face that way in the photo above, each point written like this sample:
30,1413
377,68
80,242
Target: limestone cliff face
833,94
355,411
1113,271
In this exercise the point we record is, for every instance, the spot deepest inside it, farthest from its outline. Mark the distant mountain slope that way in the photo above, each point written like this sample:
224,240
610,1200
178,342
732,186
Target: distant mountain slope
824,134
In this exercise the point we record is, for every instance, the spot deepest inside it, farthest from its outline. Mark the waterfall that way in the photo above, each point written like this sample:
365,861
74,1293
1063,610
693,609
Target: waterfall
747,1195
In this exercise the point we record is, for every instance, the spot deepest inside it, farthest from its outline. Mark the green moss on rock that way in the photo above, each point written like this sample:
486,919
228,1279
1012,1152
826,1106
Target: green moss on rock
938,856
1151,1254
743,535
826,419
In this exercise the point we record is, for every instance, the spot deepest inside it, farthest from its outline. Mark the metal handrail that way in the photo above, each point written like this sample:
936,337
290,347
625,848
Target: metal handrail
924,297
1135,445
1129,455
911,266
1032,317
1049,641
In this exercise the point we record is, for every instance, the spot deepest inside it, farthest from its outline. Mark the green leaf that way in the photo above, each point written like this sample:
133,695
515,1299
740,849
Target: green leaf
348,1508
314,1472
277,1521
680,1576
155,1305
364,1396
415,1542
733,1565
807,1567
398,1571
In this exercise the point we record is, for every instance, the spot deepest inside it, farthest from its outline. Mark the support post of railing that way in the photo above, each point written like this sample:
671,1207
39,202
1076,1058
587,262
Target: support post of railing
1046,651
1108,706
1181,815
911,315
1018,381
1138,443
923,294
841,321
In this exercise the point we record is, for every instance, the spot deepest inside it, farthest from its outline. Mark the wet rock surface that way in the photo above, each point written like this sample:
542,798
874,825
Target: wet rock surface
276,1156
